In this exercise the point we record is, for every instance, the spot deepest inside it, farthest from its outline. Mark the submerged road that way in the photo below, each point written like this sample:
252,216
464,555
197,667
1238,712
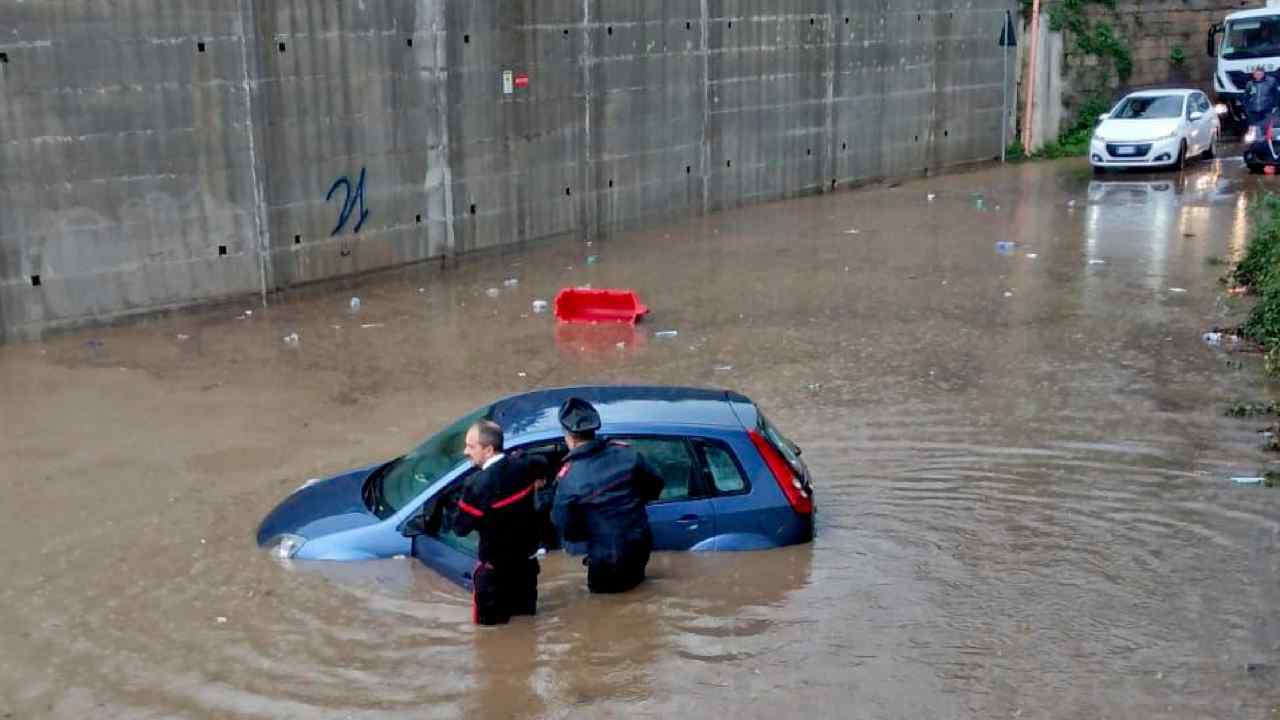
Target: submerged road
1020,453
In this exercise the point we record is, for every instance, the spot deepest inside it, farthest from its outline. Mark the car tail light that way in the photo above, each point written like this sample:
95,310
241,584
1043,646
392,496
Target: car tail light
787,478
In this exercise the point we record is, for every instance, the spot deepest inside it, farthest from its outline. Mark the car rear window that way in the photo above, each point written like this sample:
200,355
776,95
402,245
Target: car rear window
781,443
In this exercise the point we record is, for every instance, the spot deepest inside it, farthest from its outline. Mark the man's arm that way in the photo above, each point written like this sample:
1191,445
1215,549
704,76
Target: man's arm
566,516
648,483
473,505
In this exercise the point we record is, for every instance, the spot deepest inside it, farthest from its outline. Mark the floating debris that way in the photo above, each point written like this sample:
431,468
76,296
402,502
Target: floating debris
1032,256
1097,262
493,292
667,333
1008,293
511,282
1177,290
355,304
593,259
540,306
724,368
182,336
367,326
292,339
852,231
931,196
1248,480
1005,247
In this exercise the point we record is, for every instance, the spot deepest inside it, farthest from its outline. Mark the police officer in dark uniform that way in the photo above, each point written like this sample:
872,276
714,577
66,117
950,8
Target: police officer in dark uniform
600,500
498,501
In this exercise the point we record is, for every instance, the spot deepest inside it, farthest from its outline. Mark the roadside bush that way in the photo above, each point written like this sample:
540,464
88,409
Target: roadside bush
1260,270
1263,250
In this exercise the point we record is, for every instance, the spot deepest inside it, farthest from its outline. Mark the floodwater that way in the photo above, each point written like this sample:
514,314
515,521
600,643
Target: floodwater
1021,458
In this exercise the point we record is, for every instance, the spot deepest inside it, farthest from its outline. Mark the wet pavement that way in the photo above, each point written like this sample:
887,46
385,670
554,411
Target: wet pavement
1020,452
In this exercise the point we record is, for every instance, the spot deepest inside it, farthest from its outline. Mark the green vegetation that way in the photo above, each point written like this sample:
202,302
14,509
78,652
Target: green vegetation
1259,271
1253,409
1177,56
1088,38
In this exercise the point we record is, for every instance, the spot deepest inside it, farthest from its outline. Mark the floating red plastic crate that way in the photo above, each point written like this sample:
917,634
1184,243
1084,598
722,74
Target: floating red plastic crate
591,305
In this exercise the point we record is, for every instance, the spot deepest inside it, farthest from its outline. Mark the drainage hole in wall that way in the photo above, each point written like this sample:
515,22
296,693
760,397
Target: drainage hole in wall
808,151
222,249
609,30
833,183
473,208
946,133
688,26
688,169
810,21
728,163
919,18
35,281
408,42
199,47
297,239
610,182
730,24
4,58
281,46
466,38
846,21
568,191
917,138
417,218
844,146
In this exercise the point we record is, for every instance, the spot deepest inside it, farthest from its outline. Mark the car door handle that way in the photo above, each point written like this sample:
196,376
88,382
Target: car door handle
689,520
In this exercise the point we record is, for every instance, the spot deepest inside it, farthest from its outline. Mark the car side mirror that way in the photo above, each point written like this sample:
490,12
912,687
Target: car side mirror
1104,116
419,522
1196,116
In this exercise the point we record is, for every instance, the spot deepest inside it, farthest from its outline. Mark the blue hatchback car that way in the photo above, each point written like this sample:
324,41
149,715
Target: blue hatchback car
732,480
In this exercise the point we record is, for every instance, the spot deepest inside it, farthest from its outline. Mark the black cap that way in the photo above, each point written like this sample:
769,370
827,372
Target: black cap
579,416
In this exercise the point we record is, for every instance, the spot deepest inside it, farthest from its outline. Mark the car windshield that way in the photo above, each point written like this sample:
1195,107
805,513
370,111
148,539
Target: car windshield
1252,38
396,484
1149,107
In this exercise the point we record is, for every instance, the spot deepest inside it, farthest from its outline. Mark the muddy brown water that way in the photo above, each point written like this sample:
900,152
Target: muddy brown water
1022,468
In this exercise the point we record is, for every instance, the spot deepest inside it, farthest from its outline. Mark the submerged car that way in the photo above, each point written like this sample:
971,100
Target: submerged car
732,481
1155,128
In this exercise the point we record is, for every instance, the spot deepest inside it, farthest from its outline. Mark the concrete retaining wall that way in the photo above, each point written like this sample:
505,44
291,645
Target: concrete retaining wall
161,153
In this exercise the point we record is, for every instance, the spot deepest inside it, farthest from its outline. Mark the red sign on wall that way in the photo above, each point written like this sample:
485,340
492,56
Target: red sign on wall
522,80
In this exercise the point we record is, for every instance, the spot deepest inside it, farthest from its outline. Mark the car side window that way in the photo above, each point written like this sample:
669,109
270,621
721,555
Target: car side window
671,460
440,526
726,476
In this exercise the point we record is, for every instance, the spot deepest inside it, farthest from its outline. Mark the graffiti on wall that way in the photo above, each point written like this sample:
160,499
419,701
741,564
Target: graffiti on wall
353,198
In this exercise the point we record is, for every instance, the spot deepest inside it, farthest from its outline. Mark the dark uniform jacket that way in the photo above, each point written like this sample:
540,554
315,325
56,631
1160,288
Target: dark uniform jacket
1262,97
499,502
600,499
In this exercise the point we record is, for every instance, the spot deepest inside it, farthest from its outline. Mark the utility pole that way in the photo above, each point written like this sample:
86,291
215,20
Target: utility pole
1031,75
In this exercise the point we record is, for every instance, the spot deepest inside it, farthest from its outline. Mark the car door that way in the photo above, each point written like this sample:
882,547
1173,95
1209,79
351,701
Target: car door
1192,127
434,542
1209,121
683,515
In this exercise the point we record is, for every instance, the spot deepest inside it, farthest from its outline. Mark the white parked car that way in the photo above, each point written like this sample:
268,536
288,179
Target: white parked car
1155,128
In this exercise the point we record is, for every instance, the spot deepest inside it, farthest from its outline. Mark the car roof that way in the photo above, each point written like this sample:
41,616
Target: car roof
538,412
1169,91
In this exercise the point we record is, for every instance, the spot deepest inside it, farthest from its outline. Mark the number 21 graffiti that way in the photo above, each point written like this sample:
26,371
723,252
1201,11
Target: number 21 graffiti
352,198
